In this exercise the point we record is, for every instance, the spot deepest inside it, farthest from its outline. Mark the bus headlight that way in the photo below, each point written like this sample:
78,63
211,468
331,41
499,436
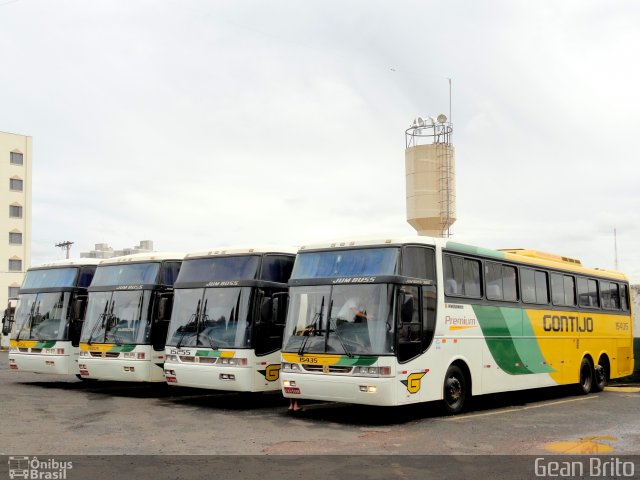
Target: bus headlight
84,354
233,362
290,367
372,371
171,358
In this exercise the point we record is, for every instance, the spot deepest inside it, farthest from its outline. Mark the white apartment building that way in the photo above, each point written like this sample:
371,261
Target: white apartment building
15,222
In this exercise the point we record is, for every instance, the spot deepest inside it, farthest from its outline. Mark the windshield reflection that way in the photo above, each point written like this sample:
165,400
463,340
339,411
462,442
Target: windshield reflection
117,317
210,317
42,316
350,319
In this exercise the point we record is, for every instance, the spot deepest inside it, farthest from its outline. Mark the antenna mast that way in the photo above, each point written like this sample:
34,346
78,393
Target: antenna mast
615,246
66,245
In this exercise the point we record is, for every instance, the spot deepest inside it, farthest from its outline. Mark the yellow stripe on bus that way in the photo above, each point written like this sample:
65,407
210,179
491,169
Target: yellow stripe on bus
97,347
312,359
23,343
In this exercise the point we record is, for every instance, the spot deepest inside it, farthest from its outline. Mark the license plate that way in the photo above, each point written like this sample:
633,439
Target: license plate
295,390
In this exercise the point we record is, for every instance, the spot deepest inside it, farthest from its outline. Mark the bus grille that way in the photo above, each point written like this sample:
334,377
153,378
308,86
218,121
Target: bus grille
23,350
186,359
36,350
208,359
105,354
332,369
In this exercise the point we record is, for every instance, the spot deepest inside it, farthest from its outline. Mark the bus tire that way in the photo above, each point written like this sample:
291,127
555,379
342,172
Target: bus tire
586,377
454,390
600,375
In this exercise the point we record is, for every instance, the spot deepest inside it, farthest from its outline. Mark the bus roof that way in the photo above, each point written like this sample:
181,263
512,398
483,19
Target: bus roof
370,242
144,257
521,256
70,262
235,250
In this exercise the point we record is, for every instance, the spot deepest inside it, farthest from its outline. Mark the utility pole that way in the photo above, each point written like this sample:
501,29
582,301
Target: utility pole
65,246
615,246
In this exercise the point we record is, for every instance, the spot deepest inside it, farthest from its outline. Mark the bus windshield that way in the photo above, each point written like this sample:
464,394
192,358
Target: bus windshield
347,263
50,278
209,269
42,316
210,317
350,319
126,274
117,317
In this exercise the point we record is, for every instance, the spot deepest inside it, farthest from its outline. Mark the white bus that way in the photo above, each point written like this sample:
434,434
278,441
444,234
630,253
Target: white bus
127,317
228,319
406,320
45,324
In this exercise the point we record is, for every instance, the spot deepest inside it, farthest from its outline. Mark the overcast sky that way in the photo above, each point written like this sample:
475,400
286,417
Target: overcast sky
199,124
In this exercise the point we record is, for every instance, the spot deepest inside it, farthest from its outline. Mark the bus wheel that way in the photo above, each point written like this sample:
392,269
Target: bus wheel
601,376
586,377
454,390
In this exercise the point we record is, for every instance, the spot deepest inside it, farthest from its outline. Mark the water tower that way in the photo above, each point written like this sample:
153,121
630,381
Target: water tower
430,169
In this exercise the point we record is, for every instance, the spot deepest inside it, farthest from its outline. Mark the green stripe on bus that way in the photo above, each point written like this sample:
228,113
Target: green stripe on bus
122,348
359,360
462,248
511,340
207,353
45,344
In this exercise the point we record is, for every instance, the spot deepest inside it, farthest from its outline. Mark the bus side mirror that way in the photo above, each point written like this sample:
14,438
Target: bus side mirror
267,313
164,309
280,304
406,308
7,320
77,309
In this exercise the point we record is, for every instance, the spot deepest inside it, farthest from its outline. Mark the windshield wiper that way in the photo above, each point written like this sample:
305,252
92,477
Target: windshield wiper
312,328
193,319
334,325
101,320
204,318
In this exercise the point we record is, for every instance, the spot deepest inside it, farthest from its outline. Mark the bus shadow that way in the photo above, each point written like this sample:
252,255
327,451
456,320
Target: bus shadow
223,400
113,388
365,415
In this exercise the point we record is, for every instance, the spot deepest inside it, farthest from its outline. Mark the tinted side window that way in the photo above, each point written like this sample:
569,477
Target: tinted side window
170,272
609,295
569,290
418,262
493,279
453,275
587,292
501,282
86,275
472,278
461,276
624,302
534,286
277,268
557,289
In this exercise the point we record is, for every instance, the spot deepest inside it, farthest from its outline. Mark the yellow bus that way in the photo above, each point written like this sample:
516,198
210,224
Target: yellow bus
404,320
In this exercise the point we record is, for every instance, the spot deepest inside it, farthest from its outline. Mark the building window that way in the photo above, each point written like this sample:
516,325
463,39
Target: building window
15,211
15,265
15,238
16,158
13,292
15,184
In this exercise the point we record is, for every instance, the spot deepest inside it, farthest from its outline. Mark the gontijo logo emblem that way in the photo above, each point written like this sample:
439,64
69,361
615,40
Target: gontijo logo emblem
272,372
413,382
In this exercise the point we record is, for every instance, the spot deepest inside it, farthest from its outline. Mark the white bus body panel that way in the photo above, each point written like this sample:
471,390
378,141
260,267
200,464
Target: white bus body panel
123,369
59,364
184,367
